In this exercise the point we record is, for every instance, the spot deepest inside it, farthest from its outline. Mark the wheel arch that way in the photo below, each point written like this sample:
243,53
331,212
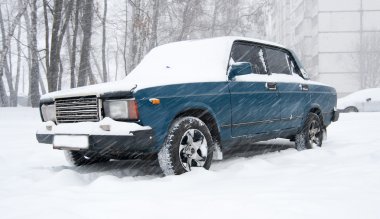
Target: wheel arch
316,109
206,116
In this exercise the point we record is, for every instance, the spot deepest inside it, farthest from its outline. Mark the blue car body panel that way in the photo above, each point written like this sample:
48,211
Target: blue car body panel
242,110
175,99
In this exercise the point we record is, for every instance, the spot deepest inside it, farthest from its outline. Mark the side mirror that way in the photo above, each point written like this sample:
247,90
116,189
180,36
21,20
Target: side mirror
239,68
369,99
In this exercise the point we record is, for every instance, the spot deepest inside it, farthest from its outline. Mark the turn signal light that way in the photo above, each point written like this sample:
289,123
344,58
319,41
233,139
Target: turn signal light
155,101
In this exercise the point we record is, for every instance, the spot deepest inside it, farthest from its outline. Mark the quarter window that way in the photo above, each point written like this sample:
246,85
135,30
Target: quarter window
277,61
293,67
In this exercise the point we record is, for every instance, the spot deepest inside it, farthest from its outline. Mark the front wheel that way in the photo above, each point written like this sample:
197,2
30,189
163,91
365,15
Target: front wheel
188,145
311,134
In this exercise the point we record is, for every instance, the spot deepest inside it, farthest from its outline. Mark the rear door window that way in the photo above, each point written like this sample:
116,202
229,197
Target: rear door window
278,61
254,54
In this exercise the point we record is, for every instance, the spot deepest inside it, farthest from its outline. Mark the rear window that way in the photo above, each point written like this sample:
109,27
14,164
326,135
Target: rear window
277,61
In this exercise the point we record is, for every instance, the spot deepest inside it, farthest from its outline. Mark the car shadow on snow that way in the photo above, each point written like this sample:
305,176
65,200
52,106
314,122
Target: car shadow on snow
120,169
136,168
258,148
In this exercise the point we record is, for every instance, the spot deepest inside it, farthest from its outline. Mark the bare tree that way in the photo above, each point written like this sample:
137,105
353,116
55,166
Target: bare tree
125,39
47,46
5,69
34,72
136,24
58,32
74,44
104,62
4,51
85,67
18,61
155,17
191,11
52,69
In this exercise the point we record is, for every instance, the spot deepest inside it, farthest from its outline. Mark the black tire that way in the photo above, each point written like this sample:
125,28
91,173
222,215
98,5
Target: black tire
311,133
351,109
171,157
76,158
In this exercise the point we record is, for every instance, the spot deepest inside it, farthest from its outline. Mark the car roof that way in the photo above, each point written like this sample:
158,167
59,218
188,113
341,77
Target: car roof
231,39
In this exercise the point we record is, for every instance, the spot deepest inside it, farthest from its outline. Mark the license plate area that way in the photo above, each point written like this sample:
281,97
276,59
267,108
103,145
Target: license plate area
71,142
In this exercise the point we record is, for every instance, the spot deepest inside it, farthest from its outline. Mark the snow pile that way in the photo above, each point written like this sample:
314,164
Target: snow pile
340,180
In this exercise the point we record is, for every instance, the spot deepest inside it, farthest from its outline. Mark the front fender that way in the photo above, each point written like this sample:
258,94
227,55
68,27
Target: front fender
176,99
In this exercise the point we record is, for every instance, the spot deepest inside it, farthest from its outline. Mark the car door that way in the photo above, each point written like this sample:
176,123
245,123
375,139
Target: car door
255,106
292,88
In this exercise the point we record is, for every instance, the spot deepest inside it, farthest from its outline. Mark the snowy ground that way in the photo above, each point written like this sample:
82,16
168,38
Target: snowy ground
340,180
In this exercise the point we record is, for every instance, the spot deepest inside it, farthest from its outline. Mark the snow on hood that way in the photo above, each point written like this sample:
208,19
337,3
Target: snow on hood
174,63
96,89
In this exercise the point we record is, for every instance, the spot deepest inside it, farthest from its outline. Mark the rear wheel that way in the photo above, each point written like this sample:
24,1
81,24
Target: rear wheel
351,109
311,135
77,158
187,146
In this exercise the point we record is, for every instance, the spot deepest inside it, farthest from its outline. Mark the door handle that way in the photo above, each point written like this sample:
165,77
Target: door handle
271,86
304,87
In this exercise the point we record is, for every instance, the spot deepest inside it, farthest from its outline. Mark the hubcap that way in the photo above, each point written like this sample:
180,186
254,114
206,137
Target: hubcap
315,134
193,149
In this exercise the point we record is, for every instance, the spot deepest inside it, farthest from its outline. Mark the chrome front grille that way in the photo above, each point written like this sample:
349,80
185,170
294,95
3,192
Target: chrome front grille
77,109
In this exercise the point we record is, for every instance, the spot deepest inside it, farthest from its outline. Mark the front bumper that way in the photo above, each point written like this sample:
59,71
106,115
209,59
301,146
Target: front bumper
116,139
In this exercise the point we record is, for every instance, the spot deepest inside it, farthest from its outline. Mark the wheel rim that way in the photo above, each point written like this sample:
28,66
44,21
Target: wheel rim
315,134
193,149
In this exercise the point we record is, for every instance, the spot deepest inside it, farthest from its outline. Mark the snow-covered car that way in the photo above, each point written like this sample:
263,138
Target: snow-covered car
367,100
188,102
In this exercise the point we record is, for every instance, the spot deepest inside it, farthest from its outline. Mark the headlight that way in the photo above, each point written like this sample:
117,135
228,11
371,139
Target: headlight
48,112
121,109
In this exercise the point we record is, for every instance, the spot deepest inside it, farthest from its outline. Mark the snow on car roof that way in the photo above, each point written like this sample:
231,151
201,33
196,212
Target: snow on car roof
189,61
186,62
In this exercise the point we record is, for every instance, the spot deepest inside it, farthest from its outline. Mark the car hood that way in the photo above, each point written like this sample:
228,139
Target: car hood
97,89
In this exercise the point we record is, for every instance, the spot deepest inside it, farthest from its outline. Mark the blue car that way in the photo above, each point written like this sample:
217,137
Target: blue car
188,102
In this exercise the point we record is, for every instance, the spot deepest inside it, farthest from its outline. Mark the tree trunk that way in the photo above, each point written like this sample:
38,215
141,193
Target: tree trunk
5,69
35,72
125,39
214,18
18,62
105,78
135,28
52,71
97,66
74,44
84,67
60,75
4,102
47,46
4,52
156,14
58,33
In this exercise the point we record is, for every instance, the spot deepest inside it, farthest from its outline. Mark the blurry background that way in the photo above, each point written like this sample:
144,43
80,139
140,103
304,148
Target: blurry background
49,45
